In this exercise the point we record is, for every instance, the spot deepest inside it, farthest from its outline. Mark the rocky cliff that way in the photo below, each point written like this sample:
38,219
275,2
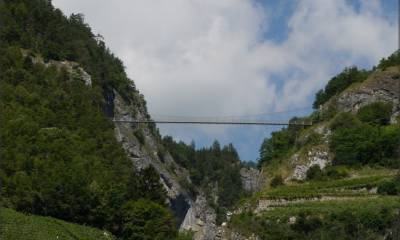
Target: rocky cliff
143,148
381,86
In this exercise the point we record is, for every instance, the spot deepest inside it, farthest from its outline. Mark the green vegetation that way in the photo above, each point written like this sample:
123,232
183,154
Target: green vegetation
317,189
390,187
277,181
392,60
344,120
210,168
364,218
377,113
17,226
144,219
279,144
59,156
328,173
339,83
38,26
357,197
366,139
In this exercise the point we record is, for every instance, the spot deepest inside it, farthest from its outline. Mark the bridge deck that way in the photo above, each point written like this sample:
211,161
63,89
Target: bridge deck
215,122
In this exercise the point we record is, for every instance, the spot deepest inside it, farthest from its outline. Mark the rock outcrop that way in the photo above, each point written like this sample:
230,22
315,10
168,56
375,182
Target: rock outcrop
251,179
316,156
142,147
73,68
381,86
201,219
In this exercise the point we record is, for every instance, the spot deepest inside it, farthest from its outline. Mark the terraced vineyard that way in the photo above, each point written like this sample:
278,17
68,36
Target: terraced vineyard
360,186
322,207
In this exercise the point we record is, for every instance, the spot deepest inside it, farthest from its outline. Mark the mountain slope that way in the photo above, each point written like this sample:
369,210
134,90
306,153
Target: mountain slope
337,179
60,156
64,157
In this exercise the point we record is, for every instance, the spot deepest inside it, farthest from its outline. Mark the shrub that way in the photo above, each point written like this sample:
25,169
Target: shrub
139,135
185,235
277,181
336,173
313,139
366,144
389,141
344,120
314,173
389,188
356,145
144,219
376,113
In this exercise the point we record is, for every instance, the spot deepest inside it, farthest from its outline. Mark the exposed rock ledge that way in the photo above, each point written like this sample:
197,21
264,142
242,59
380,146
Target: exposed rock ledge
381,86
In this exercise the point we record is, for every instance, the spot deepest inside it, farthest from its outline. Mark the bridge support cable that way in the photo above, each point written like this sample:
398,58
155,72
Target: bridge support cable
210,122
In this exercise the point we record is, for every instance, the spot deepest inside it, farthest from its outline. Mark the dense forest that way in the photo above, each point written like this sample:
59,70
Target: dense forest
59,155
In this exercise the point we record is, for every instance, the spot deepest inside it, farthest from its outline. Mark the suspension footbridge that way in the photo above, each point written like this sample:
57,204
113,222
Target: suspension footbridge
216,122
226,120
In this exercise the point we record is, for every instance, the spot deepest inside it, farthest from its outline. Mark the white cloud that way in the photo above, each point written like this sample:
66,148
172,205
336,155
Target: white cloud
207,57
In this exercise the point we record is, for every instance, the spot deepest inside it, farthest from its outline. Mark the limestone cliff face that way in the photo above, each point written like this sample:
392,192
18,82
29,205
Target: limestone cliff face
201,219
251,179
143,148
382,85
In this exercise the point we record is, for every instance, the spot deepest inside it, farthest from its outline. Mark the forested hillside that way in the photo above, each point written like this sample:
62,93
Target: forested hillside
59,155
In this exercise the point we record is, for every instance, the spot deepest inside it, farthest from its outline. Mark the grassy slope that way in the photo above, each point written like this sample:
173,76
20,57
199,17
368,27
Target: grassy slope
18,226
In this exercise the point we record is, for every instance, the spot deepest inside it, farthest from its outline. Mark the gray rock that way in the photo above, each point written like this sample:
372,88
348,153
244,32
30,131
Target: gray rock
201,219
382,87
192,214
251,179
315,156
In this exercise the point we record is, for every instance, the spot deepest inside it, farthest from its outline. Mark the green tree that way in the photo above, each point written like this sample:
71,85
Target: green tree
150,185
146,220
314,173
339,83
356,145
376,113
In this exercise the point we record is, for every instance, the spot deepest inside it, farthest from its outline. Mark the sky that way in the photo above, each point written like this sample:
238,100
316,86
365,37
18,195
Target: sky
238,57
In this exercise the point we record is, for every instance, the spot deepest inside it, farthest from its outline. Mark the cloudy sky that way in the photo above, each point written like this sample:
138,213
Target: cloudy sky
238,57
